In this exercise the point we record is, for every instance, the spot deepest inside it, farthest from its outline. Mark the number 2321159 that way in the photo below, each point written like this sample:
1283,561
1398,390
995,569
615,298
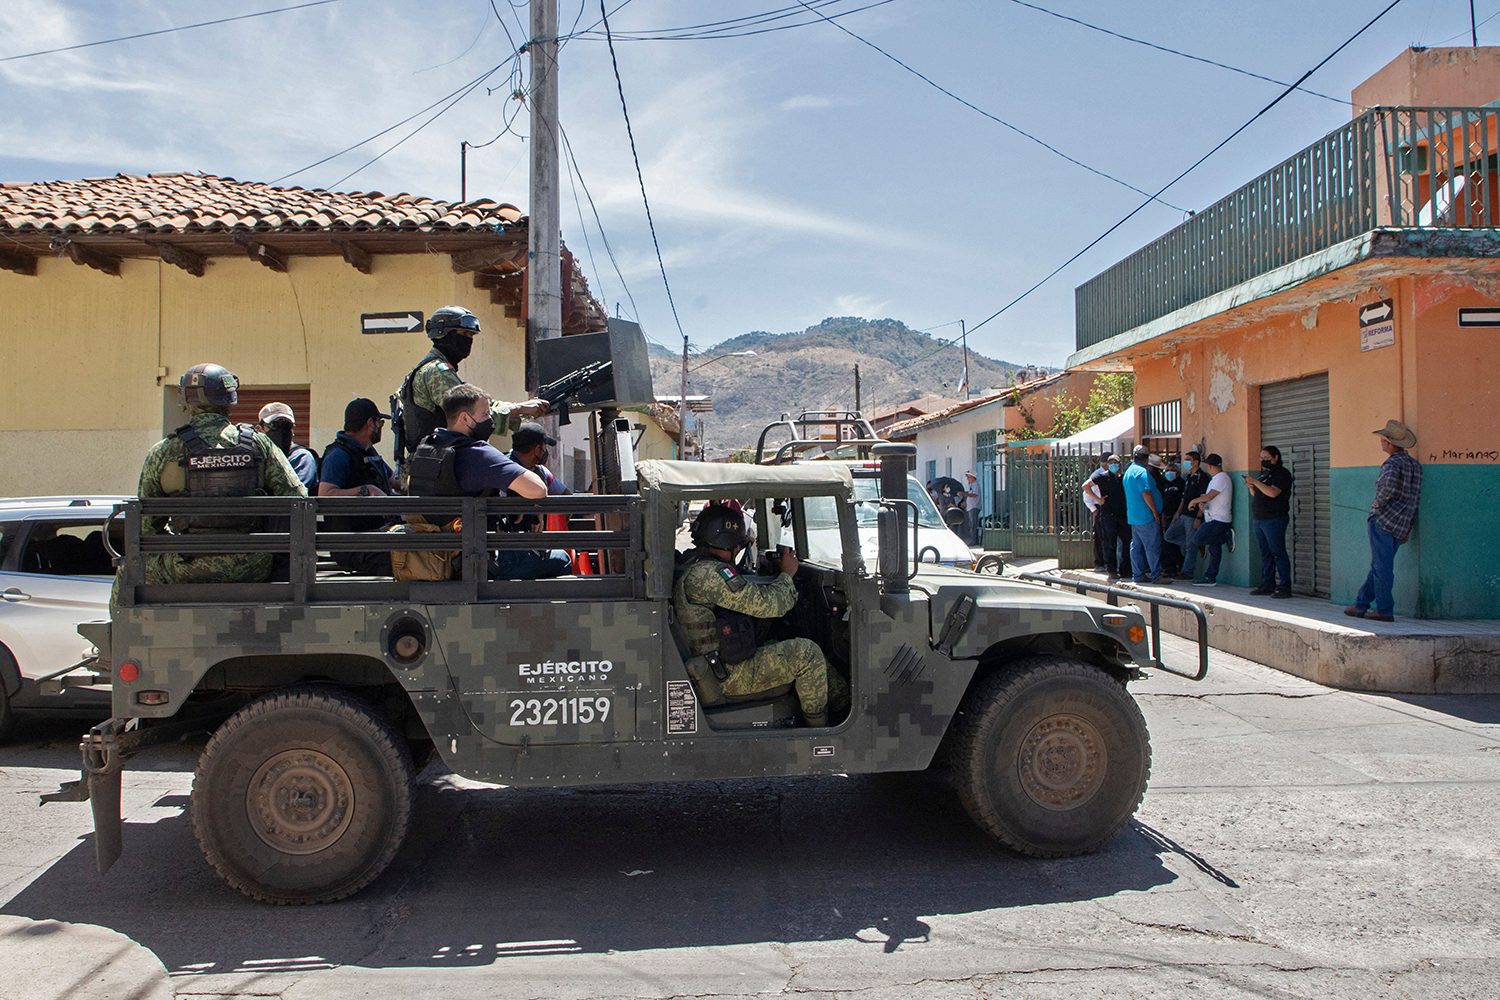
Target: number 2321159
558,711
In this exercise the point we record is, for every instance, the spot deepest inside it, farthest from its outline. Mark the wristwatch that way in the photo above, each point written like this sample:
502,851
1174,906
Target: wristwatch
364,491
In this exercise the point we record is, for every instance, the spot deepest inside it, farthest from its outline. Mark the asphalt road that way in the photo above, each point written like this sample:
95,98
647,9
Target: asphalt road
1296,842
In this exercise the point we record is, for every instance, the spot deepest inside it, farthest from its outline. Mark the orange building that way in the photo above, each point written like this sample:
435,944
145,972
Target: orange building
1357,282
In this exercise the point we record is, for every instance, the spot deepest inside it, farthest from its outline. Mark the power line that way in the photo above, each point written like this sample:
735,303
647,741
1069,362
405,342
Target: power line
640,178
166,31
974,107
1253,118
573,160
739,27
1172,51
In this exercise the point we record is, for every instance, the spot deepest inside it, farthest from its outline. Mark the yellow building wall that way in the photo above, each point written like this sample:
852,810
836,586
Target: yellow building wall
80,350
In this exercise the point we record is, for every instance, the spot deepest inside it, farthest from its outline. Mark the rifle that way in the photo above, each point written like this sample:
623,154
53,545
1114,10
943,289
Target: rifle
565,390
398,427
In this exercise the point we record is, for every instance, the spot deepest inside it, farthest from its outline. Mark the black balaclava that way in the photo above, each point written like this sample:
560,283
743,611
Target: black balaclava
280,431
454,346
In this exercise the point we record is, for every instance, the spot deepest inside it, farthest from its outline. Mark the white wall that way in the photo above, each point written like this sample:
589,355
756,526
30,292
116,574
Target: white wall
956,441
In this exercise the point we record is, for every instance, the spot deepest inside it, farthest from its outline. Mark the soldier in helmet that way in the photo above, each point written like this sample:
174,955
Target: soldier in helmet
717,606
210,457
452,330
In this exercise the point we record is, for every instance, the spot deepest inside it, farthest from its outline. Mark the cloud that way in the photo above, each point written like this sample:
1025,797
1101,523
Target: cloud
859,305
805,102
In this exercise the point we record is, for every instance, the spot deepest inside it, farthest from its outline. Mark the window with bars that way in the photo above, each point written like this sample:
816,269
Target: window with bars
1161,420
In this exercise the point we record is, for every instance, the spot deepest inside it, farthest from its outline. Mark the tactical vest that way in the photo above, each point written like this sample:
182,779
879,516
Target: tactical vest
431,472
417,421
735,630
218,472
366,471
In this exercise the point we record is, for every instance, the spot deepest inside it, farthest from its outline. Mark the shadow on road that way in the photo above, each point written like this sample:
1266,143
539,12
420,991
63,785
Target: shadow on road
1481,708
493,873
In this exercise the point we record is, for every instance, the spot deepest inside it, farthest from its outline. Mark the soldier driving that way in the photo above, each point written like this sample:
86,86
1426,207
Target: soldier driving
210,457
452,330
716,607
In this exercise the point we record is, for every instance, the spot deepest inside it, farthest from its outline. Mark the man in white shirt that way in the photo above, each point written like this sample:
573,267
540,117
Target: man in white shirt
971,508
1217,508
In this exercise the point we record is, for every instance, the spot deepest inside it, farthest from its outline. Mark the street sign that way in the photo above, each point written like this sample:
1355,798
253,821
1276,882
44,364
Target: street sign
397,322
1377,325
1479,317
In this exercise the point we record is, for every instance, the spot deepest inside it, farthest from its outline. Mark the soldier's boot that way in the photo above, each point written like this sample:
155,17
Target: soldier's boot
815,720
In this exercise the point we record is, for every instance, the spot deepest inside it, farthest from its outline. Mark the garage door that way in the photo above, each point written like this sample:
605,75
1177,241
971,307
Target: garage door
1294,417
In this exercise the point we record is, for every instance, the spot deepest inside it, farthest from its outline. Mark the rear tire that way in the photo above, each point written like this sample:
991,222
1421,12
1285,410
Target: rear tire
8,669
1052,756
303,796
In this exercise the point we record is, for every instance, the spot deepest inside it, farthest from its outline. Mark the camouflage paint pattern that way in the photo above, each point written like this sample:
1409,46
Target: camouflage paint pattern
437,375
704,587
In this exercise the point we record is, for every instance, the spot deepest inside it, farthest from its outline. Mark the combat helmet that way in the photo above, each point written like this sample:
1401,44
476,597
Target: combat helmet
449,319
720,527
208,385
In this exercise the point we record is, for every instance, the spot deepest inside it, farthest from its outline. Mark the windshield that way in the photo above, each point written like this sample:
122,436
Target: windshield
869,490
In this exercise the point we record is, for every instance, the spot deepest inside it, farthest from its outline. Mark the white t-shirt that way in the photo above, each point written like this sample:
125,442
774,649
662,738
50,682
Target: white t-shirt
1221,507
971,502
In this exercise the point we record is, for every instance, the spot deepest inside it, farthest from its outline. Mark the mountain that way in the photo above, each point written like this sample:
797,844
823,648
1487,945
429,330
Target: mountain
814,370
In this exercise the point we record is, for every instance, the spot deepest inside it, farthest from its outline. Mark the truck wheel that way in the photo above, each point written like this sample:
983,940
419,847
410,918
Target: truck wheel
7,715
1052,756
302,797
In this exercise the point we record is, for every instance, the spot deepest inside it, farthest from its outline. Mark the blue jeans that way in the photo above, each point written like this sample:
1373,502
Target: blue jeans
1377,587
1270,535
530,564
1145,551
1212,536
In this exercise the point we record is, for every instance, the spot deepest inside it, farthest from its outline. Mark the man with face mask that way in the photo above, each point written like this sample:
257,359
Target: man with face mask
1111,521
277,422
1185,519
353,468
451,330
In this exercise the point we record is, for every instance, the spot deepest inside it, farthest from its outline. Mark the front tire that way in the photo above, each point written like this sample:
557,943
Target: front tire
1052,756
303,796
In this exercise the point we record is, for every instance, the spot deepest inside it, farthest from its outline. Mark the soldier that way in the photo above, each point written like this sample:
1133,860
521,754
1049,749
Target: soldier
210,457
452,330
717,607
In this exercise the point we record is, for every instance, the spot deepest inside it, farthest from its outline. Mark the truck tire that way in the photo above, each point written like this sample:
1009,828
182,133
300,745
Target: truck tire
303,796
1051,756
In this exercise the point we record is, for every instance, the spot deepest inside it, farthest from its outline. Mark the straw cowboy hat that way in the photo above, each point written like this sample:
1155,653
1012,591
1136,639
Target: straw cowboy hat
1397,434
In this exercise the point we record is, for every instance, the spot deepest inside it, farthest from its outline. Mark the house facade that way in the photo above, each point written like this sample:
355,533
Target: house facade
111,288
1355,283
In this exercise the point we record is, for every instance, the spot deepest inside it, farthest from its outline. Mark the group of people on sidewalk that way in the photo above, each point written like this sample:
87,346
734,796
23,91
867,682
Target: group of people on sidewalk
1151,520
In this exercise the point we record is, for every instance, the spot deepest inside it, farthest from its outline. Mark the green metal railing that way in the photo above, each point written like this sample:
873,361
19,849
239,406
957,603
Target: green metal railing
1403,168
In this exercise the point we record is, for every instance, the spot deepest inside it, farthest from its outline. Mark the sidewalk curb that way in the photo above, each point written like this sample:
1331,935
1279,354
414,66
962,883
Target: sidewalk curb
50,958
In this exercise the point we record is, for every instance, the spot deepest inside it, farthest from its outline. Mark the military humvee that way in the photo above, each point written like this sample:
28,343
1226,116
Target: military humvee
325,694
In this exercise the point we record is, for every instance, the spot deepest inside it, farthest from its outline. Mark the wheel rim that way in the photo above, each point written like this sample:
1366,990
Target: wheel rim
1062,762
300,802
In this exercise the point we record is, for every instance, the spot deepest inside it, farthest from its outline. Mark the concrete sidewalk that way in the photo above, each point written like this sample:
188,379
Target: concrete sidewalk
1313,638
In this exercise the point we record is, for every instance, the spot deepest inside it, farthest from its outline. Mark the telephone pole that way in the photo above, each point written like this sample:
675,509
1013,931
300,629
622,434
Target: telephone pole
963,332
857,407
682,408
543,263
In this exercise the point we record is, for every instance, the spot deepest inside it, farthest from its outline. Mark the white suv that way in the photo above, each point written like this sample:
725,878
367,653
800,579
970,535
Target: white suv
54,573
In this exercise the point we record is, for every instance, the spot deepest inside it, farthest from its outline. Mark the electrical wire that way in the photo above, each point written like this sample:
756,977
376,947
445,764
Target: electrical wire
974,107
1172,51
1475,28
736,27
166,31
568,145
1196,163
640,178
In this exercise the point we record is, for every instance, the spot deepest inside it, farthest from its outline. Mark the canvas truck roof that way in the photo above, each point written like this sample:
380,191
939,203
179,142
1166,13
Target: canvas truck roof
674,481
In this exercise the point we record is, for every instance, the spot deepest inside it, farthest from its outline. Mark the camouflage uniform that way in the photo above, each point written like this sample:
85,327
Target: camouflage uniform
162,475
705,586
437,375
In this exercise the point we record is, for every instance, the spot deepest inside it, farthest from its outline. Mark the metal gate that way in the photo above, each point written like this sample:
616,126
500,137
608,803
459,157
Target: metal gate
1047,513
1294,417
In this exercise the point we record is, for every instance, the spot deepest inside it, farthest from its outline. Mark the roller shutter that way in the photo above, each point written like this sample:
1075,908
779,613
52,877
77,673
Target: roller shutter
1294,417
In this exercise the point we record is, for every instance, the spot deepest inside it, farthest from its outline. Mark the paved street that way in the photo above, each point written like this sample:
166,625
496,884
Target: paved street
1296,842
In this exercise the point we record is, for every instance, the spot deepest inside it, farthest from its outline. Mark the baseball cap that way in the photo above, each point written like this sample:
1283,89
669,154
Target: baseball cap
529,435
1213,458
359,410
1139,451
276,411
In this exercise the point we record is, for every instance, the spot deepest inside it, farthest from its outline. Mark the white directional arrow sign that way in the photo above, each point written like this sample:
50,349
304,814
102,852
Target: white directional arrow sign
393,322
1374,314
1377,325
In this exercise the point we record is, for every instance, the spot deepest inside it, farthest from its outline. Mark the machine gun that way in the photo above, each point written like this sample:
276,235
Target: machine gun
566,390
398,426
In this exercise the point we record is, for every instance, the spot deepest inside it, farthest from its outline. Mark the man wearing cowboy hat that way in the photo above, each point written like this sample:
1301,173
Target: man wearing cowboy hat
1392,514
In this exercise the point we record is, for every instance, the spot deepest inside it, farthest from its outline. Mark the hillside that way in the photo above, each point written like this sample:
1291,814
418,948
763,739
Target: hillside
814,369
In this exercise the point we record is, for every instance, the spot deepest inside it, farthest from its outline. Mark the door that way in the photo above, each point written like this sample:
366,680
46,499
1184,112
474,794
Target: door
58,575
1294,418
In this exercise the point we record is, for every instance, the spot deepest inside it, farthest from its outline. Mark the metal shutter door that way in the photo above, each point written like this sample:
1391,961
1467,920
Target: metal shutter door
1294,417
253,397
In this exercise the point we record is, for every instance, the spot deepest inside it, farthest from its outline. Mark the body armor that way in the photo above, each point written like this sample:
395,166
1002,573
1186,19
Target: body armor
431,471
736,631
416,421
219,472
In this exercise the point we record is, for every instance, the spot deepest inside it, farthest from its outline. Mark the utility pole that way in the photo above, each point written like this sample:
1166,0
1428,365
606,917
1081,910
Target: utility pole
544,265
963,331
682,407
463,171
1473,27
857,408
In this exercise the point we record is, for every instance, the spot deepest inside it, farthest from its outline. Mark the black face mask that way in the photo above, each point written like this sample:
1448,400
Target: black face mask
482,430
1266,463
455,346
375,438
280,432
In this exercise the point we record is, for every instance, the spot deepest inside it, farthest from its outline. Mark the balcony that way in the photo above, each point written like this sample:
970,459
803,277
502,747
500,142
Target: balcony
1399,168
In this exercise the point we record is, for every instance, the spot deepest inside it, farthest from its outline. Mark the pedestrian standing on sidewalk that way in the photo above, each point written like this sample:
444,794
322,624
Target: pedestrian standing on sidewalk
1171,501
1112,517
1270,512
1143,510
971,508
1094,501
1392,514
1185,519
1217,505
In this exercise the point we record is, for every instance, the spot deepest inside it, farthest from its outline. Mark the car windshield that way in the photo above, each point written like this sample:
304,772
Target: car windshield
821,512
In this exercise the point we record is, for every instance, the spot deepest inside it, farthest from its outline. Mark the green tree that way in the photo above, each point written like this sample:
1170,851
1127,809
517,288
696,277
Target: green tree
1111,393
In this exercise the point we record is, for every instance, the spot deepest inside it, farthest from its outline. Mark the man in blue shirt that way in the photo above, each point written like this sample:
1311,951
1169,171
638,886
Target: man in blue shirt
1143,511
353,468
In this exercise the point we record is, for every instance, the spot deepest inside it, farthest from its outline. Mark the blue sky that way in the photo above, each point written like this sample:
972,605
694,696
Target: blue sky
793,175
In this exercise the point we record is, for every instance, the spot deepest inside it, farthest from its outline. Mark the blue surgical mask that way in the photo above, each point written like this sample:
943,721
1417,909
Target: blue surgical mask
1114,466
1171,476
